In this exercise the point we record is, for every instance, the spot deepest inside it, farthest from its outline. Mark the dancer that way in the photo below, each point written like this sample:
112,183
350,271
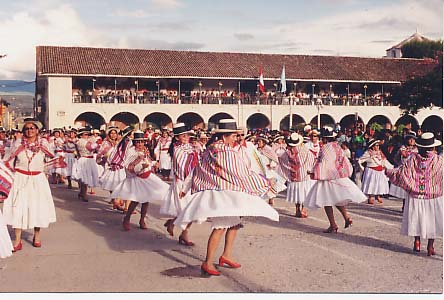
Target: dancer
162,155
374,180
140,184
30,203
421,176
333,185
223,190
295,163
113,173
87,171
185,159
70,155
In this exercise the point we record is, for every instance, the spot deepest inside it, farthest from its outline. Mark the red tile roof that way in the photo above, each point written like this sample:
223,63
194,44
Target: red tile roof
80,61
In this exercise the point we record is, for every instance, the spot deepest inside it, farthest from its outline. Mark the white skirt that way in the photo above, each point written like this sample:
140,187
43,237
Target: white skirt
5,240
30,203
87,172
333,192
225,203
172,205
374,182
297,191
110,179
70,160
422,217
141,190
397,191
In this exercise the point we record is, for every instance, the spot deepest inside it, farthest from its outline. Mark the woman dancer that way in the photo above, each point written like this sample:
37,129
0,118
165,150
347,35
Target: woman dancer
333,185
295,163
403,154
114,173
421,177
162,154
6,178
140,184
185,159
87,171
30,203
70,155
224,189
374,180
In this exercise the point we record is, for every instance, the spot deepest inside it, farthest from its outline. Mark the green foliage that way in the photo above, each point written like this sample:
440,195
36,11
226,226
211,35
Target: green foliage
400,129
424,49
426,91
376,127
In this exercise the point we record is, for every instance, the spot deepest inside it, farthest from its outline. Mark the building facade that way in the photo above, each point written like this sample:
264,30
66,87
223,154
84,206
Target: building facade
101,86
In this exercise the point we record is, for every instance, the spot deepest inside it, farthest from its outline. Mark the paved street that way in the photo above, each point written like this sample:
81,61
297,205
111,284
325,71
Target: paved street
86,250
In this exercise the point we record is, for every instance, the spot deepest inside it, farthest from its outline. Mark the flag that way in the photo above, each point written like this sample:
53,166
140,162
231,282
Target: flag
261,82
283,81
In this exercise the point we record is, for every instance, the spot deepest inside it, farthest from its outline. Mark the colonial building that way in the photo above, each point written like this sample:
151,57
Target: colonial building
395,51
132,86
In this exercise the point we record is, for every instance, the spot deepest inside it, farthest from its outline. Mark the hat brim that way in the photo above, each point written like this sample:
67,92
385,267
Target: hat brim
227,130
374,143
188,131
38,124
329,136
435,144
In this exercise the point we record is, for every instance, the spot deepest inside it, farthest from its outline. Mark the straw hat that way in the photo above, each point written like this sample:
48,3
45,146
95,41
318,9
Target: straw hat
328,132
227,126
34,121
181,128
294,139
427,140
373,142
111,128
139,136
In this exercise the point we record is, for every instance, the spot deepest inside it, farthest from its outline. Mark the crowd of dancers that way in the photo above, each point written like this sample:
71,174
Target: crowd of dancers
218,176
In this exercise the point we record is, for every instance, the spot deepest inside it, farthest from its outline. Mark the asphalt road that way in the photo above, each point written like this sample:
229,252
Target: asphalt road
86,251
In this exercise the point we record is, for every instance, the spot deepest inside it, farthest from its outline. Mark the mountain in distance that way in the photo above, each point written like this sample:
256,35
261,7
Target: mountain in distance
19,94
16,87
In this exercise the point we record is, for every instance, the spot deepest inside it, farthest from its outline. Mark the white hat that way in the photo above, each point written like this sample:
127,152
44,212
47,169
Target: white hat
427,140
227,126
294,139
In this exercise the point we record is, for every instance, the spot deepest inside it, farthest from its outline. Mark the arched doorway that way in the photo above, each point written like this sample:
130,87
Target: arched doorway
192,120
325,120
381,120
258,121
350,122
124,119
433,124
91,119
215,119
158,120
297,122
409,122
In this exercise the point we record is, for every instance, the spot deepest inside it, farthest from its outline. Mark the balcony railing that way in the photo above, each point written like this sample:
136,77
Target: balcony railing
246,99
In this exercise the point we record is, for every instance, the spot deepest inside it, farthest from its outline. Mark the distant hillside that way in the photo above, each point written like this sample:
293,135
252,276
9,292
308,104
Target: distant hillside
17,87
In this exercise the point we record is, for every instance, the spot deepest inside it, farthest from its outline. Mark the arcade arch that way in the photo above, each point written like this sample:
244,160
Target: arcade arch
158,120
124,119
91,119
258,120
192,120
297,122
214,119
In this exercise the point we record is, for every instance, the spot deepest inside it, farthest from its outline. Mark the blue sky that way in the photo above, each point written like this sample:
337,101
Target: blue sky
316,27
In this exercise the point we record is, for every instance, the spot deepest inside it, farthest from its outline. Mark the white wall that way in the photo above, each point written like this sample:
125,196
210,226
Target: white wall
59,101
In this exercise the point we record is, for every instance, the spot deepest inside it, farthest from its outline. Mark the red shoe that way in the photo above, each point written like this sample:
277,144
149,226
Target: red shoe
348,223
184,242
36,244
18,247
142,225
430,251
205,271
331,230
126,225
223,261
417,246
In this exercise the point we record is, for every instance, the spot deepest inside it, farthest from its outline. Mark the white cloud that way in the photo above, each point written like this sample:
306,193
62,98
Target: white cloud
138,13
59,26
352,33
166,4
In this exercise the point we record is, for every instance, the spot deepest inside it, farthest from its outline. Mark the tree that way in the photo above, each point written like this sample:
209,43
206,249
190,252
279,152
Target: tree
425,91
